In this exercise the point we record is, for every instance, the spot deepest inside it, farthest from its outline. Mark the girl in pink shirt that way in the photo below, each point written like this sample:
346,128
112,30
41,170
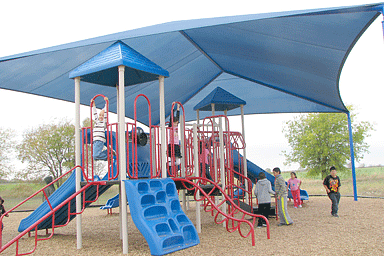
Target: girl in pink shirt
294,184
203,161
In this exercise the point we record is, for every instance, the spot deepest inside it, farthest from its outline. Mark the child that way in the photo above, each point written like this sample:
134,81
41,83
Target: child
203,161
294,184
332,187
173,138
99,150
281,195
2,211
262,191
49,190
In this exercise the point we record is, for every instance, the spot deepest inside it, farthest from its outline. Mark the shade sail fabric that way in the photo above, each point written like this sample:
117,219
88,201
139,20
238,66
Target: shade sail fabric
276,62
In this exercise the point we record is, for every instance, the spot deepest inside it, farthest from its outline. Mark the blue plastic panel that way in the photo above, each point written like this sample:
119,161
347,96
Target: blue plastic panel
155,209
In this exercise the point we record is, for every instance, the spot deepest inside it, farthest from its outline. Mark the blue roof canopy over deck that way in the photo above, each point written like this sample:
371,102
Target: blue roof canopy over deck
222,99
102,69
276,62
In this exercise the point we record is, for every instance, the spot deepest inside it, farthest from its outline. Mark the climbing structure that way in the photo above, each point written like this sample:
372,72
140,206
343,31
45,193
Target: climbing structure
133,154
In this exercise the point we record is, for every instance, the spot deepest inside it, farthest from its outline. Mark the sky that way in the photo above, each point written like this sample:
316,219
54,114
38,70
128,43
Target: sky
31,25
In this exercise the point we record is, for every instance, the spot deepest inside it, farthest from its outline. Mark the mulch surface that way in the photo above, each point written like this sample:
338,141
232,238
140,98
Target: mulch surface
358,231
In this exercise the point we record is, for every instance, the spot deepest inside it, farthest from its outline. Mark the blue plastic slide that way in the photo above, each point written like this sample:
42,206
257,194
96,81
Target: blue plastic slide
111,203
253,169
253,173
155,209
67,189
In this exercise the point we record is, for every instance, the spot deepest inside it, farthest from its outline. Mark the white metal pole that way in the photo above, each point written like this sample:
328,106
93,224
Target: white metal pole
245,151
196,161
222,172
214,148
183,159
120,203
198,116
122,159
182,139
78,162
162,127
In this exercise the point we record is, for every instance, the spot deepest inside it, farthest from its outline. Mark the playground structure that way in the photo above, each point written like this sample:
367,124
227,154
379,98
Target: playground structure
137,162
213,48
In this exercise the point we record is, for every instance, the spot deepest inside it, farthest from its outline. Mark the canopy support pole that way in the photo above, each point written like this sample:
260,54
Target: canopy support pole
196,170
198,116
122,159
244,153
222,168
183,160
352,157
78,162
120,203
162,127
382,23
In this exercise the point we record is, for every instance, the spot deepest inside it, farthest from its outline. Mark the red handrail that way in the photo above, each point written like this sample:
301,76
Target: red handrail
210,206
52,213
134,156
30,197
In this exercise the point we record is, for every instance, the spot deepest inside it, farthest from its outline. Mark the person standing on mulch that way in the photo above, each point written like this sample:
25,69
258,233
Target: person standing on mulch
2,211
332,187
281,195
48,190
262,191
294,184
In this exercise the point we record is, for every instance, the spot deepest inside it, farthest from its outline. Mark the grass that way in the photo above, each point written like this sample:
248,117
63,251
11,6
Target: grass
369,182
15,193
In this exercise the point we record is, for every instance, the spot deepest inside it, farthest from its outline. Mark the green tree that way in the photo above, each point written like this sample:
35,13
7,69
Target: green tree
6,151
321,140
48,149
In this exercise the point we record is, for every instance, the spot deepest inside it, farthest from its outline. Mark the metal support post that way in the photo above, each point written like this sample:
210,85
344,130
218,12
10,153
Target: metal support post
352,157
78,162
162,127
122,159
196,161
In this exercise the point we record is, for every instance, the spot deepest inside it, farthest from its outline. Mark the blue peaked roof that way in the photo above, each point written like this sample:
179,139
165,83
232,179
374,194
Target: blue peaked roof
102,68
286,62
222,99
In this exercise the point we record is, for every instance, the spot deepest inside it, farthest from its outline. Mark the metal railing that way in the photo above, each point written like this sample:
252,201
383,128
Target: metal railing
51,213
232,223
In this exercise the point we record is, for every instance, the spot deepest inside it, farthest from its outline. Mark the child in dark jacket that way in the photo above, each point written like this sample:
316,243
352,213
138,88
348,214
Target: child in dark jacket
2,211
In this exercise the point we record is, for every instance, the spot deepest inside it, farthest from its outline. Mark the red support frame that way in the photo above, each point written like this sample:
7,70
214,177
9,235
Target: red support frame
232,223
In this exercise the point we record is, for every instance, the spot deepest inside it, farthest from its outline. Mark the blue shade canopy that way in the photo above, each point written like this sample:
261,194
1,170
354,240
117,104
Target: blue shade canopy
276,62
222,99
102,69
